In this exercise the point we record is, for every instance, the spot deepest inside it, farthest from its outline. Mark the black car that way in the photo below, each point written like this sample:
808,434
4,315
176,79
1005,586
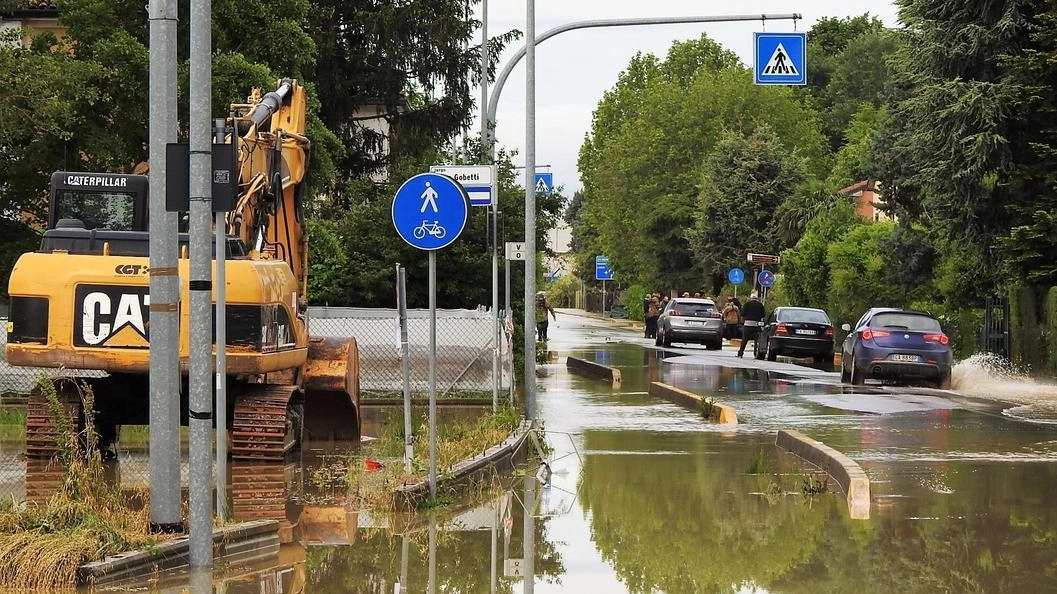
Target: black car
798,332
896,344
686,319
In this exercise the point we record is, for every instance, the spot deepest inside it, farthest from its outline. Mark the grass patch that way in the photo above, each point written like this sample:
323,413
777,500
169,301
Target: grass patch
760,464
456,441
813,486
707,407
12,422
41,545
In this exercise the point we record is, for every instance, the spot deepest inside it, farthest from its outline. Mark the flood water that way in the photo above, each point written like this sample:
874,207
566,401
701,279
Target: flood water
647,496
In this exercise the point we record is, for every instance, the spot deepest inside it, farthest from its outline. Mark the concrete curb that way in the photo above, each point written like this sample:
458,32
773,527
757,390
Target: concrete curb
592,369
241,543
507,454
845,471
721,413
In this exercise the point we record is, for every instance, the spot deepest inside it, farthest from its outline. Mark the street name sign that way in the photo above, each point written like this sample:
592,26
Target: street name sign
515,250
602,270
763,258
780,58
477,180
430,211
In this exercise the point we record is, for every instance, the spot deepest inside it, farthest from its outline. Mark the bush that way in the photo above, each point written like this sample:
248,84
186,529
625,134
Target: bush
633,297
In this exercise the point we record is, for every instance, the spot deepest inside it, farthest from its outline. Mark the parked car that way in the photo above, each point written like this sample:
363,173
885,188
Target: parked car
796,331
896,344
687,319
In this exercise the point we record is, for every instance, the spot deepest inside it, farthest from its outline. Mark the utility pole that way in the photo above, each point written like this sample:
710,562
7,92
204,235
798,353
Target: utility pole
200,405
164,309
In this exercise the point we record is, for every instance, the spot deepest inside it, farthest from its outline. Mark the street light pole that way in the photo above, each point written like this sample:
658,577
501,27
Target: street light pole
530,212
529,53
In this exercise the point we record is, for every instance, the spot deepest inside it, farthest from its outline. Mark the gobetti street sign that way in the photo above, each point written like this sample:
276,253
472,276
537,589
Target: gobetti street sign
763,258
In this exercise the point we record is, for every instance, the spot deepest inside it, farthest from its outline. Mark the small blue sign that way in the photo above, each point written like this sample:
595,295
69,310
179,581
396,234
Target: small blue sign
766,278
736,276
780,58
430,211
602,269
544,183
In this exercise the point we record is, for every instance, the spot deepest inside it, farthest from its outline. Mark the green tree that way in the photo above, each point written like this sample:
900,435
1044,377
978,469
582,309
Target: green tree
846,58
957,134
852,162
747,177
805,268
858,272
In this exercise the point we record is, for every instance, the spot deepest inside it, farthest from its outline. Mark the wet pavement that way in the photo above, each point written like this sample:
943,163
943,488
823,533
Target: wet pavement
647,496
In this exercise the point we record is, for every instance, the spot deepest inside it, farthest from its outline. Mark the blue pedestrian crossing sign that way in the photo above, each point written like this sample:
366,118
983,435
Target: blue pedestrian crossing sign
602,269
780,58
736,276
766,278
430,211
544,183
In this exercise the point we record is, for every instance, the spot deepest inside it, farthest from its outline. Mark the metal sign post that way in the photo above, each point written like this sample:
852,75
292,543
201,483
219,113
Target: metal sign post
430,212
405,364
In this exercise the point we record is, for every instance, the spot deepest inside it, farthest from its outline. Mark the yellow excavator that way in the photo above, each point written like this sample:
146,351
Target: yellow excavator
81,301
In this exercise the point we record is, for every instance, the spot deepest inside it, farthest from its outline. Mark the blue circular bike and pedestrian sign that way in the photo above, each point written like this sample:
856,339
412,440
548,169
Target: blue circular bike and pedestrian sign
736,276
766,278
430,211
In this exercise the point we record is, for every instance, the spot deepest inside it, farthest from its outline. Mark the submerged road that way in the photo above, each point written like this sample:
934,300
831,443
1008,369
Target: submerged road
647,496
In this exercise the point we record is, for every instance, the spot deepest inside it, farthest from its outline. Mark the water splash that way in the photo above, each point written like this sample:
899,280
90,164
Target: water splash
986,375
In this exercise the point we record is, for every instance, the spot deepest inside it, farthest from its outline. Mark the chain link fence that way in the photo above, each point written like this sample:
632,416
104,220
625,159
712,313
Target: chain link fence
465,350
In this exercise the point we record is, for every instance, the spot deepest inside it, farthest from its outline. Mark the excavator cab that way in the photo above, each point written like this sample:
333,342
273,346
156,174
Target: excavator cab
111,201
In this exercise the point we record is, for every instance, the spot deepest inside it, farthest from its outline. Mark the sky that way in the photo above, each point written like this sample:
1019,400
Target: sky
574,69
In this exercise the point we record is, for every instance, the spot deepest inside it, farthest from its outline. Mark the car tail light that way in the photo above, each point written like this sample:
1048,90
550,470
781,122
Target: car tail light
676,312
829,332
781,329
869,334
940,338
714,314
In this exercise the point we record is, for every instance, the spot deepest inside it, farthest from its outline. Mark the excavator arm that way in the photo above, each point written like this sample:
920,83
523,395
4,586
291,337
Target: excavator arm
272,162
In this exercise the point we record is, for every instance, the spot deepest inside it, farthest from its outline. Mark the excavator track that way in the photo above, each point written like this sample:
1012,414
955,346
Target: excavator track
267,423
42,431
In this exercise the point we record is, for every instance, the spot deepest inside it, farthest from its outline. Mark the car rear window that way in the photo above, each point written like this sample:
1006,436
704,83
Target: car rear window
810,316
905,321
691,309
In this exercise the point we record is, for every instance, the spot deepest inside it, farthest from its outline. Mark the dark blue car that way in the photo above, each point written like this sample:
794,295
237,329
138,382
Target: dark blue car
896,344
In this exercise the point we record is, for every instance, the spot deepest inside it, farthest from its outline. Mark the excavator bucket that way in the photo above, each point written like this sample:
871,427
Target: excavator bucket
332,392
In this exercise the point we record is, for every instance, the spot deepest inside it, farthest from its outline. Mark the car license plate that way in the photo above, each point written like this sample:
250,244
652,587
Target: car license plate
696,323
806,332
906,358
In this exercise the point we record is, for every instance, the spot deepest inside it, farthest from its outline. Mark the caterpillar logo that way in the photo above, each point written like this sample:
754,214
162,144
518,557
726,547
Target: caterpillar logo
111,316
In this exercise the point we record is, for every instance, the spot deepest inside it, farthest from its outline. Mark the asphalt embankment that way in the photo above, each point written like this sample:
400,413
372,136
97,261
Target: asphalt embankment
720,413
845,471
592,369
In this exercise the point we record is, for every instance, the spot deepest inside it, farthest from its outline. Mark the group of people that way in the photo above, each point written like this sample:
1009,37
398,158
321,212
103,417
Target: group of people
739,321
652,306
743,321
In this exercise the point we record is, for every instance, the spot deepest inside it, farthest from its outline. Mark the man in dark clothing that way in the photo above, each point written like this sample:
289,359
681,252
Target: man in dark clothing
752,314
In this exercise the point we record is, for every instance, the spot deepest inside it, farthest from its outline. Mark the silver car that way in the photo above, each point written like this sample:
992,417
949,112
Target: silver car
690,320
